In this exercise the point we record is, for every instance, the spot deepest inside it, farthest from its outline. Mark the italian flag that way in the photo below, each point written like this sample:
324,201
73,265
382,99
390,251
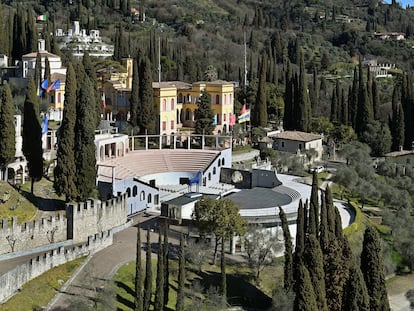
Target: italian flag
41,18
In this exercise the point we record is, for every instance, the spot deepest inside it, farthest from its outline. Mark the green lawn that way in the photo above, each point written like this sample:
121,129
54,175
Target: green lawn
14,204
39,291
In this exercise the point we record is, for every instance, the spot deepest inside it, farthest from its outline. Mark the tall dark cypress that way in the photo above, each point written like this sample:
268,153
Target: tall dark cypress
204,115
356,293
305,298
32,135
314,207
260,108
65,170
181,277
159,291
135,95
47,69
91,73
288,98
7,130
372,267
363,113
304,102
147,111
288,267
85,159
223,286
313,259
375,99
38,70
148,275
323,228
353,100
300,242
3,38
138,302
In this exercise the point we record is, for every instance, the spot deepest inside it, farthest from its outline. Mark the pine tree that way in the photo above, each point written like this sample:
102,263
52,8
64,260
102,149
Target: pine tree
159,291
288,272
85,159
138,302
166,265
313,259
305,299
65,170
356,293
204,115
7,130
32,135
148,275
135,95
181,277
372,268
147,111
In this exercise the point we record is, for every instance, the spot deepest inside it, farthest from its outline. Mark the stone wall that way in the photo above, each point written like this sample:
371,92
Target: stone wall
17,237
14,279
92,216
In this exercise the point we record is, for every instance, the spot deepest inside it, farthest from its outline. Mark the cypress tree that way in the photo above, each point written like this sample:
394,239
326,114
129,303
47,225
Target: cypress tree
138,302
353,100
147,120
38,70
204,115
334,105
330,213
135,95
3,32
181,277
305,295
85,159
304,102
288,267
91,73
323,228
344,110
334,278
148,275
314,207
300,241
166,265
260,108
7,130
47,70
159,291
375,99
313,259
32,135
31,32
372,268
288,97
396,122
363,115
356,293
65,170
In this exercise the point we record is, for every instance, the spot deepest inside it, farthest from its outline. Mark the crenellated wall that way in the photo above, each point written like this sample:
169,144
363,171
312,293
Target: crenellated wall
87,218
14,279
16,237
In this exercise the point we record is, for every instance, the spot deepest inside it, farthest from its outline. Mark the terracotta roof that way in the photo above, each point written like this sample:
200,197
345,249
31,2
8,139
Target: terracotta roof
42,54
296,135
62,77
399,153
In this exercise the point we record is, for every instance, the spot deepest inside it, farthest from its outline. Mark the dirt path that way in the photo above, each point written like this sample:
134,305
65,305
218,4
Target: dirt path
397,287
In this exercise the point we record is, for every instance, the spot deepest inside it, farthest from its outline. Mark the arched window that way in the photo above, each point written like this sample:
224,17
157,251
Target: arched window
164,105
217,99
225,99
209,176
128,191
222,162
149,198
214,171
142,196
180,97
187,114
172,104
219,163
134,191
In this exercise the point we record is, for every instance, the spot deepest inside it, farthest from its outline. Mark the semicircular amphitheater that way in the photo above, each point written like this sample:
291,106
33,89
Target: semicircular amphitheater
170,181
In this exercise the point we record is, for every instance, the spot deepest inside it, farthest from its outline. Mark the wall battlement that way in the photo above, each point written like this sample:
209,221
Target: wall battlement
16,237
14,279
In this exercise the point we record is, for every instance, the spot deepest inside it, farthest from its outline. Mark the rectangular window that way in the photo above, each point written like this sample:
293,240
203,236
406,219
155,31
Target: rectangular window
300,146
164,125
172,125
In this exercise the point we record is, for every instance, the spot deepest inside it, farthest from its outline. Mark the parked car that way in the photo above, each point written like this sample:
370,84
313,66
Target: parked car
318,169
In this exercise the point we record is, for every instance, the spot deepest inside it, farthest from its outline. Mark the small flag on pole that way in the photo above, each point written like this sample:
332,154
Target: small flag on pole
45,84
54,86
41,18
245,116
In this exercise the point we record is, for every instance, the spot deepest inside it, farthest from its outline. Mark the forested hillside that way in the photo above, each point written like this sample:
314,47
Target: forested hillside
309,46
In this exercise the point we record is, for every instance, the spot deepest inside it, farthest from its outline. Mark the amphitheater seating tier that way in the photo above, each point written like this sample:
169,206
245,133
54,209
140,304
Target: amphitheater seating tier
141,163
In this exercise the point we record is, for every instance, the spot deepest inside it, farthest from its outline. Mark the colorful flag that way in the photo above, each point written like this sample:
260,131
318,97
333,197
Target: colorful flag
245,116
45,84
41,18
243,111
232,120
54,86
